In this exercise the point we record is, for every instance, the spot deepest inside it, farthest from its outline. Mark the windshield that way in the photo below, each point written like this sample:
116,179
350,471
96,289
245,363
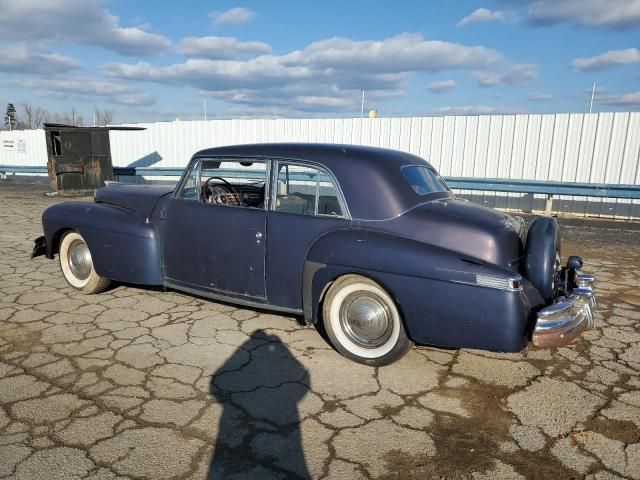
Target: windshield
424,179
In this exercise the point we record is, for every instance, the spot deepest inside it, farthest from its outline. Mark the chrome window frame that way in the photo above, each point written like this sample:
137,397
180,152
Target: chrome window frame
346,214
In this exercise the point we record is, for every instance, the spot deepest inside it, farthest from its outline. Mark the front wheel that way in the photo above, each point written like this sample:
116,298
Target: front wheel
77,265
363,322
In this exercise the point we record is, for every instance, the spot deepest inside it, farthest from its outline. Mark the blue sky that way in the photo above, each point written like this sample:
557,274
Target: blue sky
154,60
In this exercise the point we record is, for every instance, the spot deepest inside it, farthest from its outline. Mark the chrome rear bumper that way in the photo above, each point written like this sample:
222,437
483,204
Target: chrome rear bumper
560,323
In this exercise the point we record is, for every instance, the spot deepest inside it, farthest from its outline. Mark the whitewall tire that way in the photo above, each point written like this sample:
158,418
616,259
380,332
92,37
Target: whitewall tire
77,265
363,323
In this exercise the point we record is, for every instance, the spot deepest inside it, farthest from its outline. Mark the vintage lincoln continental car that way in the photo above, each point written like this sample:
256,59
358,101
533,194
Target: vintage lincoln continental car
369,243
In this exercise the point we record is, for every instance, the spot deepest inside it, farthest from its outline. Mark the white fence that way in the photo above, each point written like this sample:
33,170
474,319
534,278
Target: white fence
23,147
595,148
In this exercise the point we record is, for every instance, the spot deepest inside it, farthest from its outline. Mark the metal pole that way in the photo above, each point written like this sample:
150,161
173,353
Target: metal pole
362,106
593,94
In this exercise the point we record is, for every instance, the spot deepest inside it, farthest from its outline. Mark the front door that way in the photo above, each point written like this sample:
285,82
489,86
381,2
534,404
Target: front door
214,232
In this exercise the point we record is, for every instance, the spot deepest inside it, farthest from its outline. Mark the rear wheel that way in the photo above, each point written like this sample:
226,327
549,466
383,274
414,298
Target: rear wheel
363,322
77,265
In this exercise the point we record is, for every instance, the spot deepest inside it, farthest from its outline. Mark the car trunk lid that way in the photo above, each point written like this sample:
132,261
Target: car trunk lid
476,232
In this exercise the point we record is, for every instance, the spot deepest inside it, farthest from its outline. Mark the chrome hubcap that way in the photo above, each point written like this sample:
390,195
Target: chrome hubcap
80,259
365,319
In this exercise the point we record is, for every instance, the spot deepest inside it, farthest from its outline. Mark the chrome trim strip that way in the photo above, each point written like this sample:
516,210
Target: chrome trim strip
491,281
234,300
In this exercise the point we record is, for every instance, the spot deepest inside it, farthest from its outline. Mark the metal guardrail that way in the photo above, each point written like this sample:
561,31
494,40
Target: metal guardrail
606,190
459,183
21,170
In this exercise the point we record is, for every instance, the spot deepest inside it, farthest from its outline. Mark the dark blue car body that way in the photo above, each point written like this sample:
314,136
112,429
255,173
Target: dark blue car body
457,271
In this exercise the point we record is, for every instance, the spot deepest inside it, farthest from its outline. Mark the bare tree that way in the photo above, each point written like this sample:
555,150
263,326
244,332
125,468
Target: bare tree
34,117
103,117
69,118
76,118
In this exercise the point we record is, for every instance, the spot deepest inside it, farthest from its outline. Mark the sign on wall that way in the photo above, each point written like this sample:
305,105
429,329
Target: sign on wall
19,145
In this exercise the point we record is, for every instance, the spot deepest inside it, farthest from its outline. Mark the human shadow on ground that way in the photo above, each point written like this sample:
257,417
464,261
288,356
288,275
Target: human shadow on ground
259,388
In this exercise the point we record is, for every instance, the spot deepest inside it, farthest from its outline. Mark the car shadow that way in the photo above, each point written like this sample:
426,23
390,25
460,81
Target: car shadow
259,388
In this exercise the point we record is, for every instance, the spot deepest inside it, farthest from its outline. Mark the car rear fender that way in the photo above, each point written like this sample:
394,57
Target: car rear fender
123,245
372,253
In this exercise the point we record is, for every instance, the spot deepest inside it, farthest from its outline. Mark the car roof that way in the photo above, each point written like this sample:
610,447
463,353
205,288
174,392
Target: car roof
371,178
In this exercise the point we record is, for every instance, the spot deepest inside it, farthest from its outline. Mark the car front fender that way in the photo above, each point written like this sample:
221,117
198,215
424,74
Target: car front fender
123,245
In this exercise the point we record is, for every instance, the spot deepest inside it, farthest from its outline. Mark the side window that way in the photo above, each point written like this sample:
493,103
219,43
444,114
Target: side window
306,191
219,181
190,189
328,203
296,189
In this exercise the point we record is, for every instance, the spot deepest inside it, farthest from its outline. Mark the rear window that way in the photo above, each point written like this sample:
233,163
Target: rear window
424,180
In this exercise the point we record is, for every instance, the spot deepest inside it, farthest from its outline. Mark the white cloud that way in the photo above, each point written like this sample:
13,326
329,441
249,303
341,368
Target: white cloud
474,110
608,59
327,75
134,42
520,74
257,72
315,101
81,21
627,100
359,64
140,98
539,97
232,16
618,14
30,60
301,100
400,53
87,88
482,15
220,47
443,86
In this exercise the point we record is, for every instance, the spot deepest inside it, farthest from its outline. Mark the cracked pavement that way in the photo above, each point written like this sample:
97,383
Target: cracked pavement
139,383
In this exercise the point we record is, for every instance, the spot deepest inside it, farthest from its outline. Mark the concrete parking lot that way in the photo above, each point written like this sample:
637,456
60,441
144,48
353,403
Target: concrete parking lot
140,383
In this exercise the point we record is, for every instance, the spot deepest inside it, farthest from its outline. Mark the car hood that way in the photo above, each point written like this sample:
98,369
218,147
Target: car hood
474,231
140,199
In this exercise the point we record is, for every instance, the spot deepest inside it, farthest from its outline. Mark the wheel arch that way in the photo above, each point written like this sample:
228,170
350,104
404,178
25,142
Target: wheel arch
53,246
319,278
357,251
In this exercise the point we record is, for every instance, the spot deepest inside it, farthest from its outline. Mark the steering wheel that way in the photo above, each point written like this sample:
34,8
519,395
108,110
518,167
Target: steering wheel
221,194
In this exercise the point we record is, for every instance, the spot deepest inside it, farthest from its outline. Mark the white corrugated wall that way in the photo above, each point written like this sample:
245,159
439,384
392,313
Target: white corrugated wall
23,147
598,148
